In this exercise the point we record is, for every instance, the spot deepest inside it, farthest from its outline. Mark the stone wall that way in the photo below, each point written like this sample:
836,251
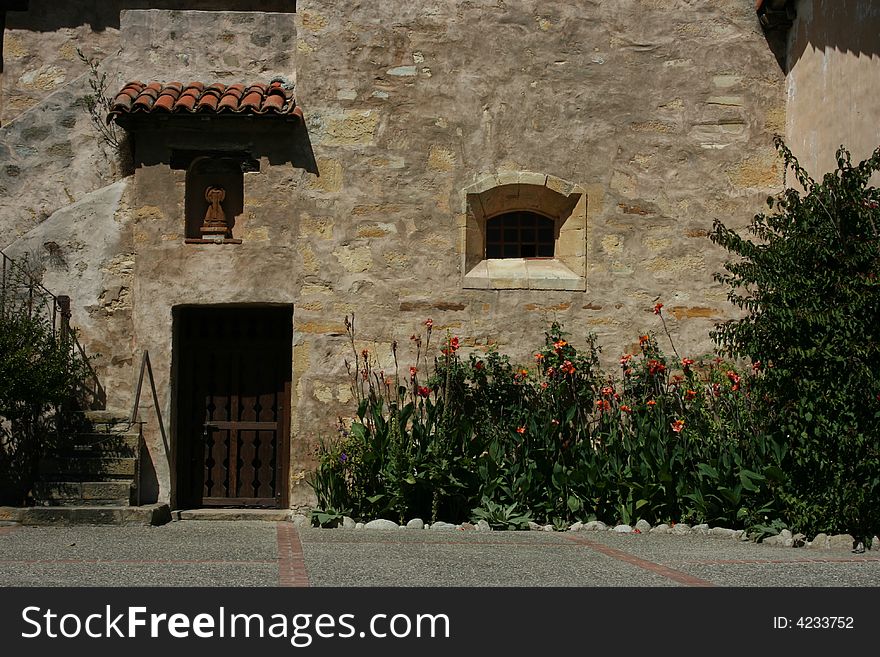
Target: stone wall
652,117
832,82
50,156
40,50
661,111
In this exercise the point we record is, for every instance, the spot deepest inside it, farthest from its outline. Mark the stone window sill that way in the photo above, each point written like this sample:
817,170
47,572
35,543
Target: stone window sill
199,240
522,274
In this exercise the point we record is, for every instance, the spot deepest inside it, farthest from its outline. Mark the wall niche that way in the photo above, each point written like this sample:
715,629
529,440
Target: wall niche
214,193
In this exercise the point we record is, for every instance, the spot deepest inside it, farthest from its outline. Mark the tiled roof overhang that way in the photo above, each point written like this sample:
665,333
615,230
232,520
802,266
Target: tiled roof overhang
158,99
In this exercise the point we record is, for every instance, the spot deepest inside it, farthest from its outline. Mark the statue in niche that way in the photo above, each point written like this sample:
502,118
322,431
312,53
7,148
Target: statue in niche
215,224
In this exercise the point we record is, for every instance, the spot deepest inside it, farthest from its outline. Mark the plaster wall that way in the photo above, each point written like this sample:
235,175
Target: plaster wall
834,62
50,153
85,251
264,269
125,267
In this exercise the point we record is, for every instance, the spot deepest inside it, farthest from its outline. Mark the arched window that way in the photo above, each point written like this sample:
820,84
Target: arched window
520,235
523,230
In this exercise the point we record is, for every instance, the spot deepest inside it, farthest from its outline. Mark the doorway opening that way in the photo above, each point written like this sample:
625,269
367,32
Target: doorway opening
232,387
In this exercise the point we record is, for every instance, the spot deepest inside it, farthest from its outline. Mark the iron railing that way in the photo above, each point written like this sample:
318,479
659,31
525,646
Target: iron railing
21,292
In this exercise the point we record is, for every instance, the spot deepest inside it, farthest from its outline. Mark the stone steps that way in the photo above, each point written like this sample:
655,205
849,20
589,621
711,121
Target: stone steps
151,514
86,493
80,468
98,467
265,515
102,445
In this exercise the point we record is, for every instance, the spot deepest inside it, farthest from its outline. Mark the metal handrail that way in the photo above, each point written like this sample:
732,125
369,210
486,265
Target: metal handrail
147,367
59,315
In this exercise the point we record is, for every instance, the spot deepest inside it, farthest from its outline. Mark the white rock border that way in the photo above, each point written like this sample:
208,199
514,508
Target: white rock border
785,538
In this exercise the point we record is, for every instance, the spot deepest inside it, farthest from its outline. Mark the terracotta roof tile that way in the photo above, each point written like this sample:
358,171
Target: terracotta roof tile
231,98
271,99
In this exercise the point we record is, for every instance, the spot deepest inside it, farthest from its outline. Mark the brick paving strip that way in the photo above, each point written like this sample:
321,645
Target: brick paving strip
291,563
650,566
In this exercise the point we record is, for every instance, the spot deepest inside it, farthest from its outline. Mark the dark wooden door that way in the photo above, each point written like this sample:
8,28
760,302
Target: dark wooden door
234,369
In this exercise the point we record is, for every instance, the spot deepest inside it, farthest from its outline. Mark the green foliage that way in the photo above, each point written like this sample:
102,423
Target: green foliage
558,441
809,283
327,518
98,104
791,440
39,373
500,516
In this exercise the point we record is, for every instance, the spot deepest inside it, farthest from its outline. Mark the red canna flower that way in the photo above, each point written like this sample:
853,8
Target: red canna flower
656,367
677,426
686,362
607,391
603,404
657,308
651,402
643,339
424,391
412,372
690,394
567,367
429,323
479,365
734,379
625,359
521,430
625,408
539,357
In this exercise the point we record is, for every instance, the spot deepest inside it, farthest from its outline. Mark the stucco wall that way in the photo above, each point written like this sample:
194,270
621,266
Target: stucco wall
834,62
85,252
50,153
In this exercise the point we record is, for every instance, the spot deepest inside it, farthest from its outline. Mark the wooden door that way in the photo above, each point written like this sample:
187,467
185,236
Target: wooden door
233,406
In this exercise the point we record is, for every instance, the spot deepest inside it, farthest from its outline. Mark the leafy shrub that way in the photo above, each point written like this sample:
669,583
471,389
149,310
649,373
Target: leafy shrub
39,373
810,286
